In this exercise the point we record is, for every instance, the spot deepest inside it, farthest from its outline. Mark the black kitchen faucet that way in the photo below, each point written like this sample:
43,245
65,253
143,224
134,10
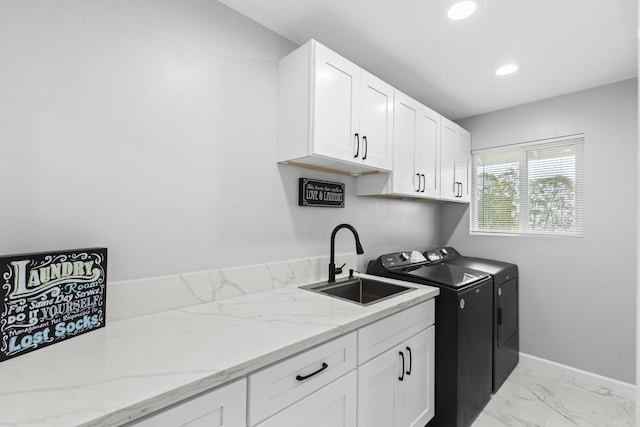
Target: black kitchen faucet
332,266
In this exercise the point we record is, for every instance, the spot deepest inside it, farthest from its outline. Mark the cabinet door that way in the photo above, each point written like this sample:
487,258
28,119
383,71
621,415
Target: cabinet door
223,407
427,148
448,146
378,389
416,398
376,122
462,164
455,147
336,106
331,406
405,177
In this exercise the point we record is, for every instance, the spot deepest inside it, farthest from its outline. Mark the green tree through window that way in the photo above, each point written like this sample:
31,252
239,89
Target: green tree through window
498,203
552,204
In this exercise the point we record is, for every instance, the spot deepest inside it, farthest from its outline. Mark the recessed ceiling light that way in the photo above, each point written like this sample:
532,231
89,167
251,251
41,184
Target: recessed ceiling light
507,69
461,10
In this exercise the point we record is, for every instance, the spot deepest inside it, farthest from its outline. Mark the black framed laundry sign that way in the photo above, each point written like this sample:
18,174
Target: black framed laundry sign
47,297
313,192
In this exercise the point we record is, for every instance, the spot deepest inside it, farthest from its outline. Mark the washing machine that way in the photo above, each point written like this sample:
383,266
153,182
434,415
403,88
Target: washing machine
506,343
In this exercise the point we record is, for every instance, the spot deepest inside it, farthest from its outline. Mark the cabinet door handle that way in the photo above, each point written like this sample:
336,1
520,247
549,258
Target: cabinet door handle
424,183
410,360
461,190
366,147
302,378
401,377
418,190
357,138
499,316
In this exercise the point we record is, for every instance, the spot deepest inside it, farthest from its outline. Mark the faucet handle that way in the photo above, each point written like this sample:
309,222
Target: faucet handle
339,269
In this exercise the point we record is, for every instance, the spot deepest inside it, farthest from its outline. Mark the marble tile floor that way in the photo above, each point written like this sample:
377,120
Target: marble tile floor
534,397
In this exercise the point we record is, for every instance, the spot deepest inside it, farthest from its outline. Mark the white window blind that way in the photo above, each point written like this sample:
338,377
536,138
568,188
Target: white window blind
530,188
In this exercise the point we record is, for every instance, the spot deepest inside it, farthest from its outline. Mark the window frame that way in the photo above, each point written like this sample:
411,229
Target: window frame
522,148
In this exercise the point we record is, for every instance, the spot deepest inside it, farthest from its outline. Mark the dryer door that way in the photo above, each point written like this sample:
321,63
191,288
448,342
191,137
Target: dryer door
507,311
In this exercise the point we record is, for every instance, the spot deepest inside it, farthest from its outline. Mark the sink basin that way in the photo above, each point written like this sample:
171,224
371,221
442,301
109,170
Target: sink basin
359,290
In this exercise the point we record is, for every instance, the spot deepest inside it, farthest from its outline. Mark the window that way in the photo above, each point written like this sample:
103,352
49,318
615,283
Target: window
530,188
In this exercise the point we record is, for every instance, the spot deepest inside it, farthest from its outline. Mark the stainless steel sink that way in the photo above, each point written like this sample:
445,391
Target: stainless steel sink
359,290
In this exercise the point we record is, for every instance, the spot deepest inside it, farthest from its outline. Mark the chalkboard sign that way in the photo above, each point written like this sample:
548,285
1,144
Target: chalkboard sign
48,297
314,192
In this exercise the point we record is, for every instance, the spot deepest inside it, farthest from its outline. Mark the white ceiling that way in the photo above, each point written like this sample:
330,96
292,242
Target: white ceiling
563,45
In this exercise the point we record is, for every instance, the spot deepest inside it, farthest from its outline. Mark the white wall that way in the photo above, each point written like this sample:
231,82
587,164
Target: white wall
577,295
149,127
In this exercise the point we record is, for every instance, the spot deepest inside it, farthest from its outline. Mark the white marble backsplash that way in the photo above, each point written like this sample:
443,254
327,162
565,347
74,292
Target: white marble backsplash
133,298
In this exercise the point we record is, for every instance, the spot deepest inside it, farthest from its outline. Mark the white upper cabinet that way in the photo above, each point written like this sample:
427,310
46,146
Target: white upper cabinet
335,113
427,151
405,179
376,122
454,164
332,114
416,143
335,116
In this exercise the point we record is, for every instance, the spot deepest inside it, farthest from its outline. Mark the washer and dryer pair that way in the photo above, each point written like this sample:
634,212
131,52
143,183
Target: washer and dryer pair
477,343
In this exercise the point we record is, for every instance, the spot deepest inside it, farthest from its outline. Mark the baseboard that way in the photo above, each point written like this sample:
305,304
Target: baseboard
579,374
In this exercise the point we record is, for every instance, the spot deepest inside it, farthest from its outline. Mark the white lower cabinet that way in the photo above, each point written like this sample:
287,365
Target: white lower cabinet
396,388
416,392
284,385
225,406
332,406
380,375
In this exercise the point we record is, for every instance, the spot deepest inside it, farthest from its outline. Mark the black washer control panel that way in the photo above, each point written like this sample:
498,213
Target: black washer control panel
402,259
441,254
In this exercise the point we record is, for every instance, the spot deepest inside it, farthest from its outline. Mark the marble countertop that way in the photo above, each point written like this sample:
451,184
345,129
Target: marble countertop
133,367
